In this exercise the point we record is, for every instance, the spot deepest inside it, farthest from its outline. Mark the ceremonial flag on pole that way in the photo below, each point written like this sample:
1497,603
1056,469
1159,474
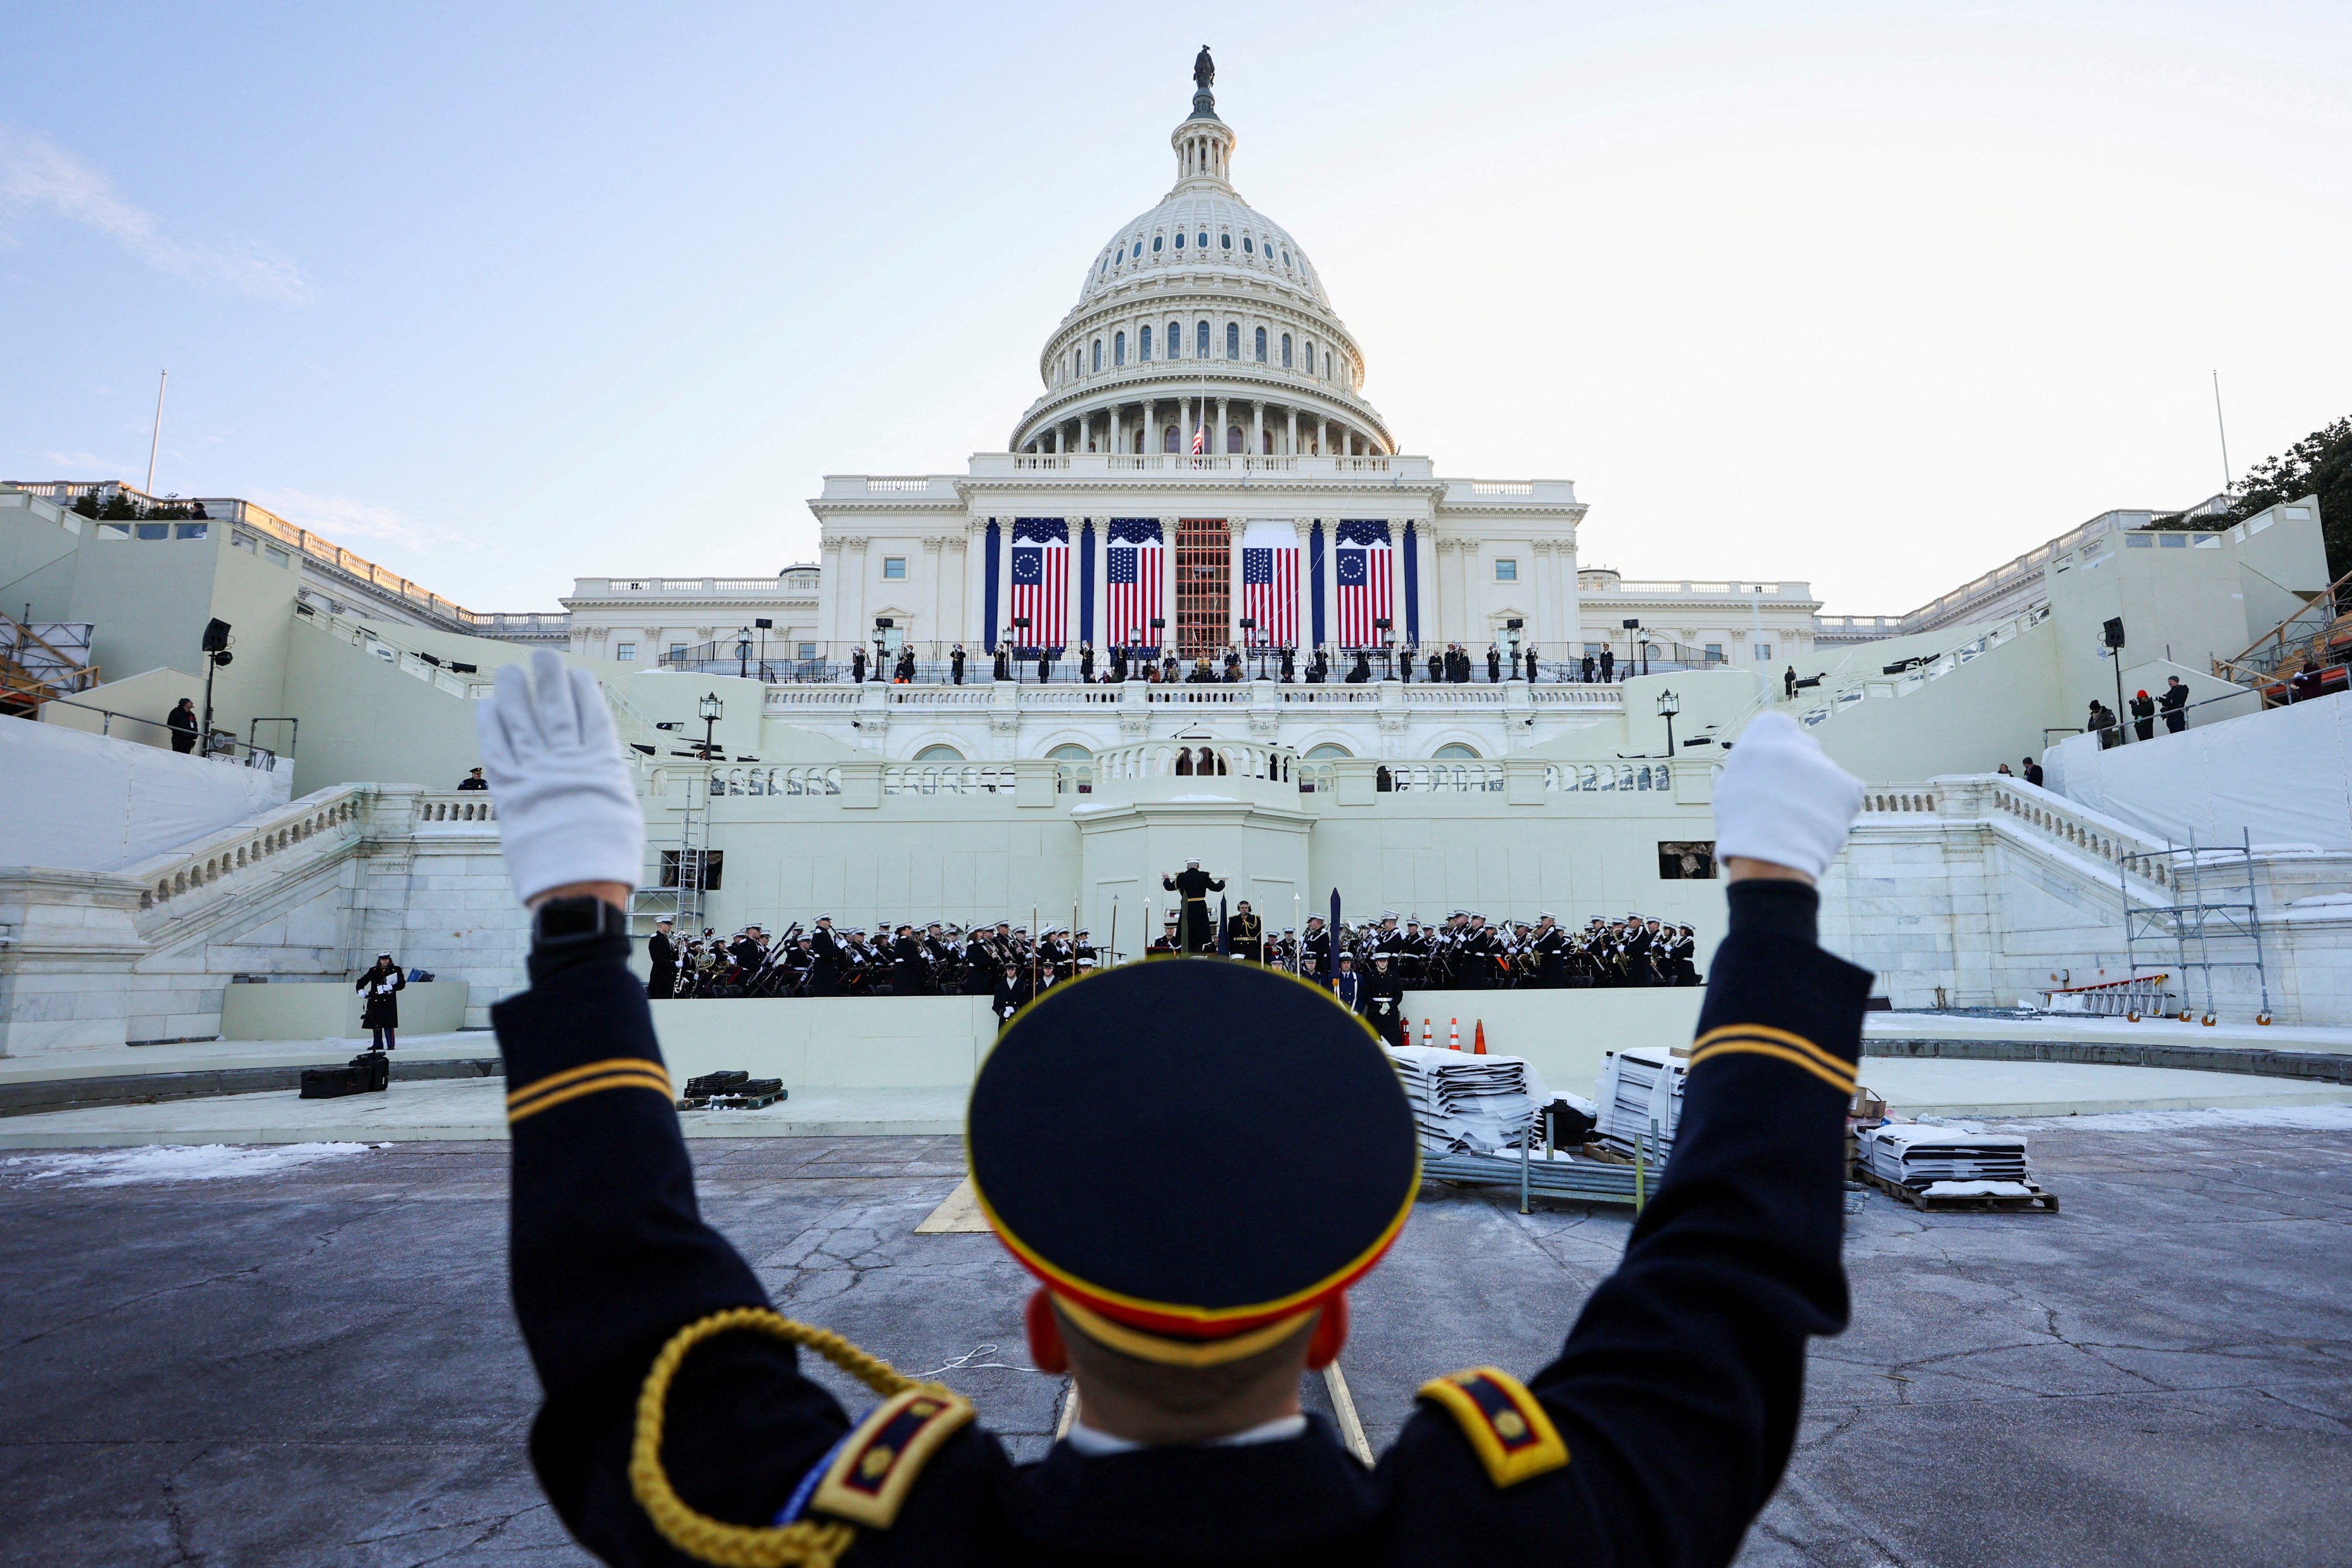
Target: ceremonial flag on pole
1224,942
1365,579
1134,567
1041,580
1270,584
1331,967
1200,437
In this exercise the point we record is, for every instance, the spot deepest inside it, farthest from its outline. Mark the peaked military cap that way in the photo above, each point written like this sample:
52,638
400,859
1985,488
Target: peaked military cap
1193,1225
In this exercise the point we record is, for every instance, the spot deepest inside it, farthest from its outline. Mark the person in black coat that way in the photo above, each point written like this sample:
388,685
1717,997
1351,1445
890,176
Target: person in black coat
473,781
1087,662
661,951
1012,993
1588,669
1289,667
183,723
857,666
1003,666
834,962
2143,712
380,1011
955,663
1436,669
1383,1002
1194,886
2175,705
1494,665
1608,664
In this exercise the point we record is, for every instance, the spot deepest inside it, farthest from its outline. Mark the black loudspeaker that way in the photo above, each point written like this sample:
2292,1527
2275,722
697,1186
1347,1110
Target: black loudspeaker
215,635
2114,632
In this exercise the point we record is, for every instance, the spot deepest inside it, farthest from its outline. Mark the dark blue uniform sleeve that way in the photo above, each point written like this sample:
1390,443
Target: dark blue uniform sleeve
610,1258
1679,1390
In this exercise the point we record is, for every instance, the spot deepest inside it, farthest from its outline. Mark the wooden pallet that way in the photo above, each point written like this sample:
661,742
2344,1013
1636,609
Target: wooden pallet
2038,1201
734,1102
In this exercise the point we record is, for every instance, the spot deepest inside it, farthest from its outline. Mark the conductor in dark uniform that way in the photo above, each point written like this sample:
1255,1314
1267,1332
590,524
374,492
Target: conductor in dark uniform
1194,886
1383,1002
1185,1294
1246,933
661,951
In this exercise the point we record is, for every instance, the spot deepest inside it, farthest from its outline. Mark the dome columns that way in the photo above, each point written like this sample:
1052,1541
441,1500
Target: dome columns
1141,425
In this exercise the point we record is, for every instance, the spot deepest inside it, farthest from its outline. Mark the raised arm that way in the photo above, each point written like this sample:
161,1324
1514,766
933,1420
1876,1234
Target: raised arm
609,1256
1677,1391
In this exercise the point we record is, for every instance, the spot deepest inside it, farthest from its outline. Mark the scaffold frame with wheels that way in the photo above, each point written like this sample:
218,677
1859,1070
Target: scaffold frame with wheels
2216,904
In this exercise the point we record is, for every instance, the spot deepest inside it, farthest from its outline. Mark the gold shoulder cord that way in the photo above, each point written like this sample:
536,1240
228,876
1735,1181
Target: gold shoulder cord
804,1544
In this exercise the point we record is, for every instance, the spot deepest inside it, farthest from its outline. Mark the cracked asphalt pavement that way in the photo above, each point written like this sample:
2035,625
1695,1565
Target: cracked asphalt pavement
315,1364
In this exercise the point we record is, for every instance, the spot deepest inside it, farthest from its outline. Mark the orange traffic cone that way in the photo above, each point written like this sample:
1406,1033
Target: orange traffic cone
1479,1049
1425,1034
1453,1034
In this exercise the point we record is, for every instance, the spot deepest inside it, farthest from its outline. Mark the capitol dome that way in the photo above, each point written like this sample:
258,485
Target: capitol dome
1202,299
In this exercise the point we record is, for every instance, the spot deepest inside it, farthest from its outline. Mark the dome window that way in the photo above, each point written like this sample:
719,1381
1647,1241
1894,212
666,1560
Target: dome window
1103,268
1232,340
1118,348
1098,353
1261,345
1139,248
1285,350
1176,340
1226,241
1155,245
1246,245
1201,341
1180,242
1286,258
1204,240
1143,345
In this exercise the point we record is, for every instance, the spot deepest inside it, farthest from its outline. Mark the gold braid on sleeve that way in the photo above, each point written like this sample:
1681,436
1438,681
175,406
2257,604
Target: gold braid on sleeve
804,1544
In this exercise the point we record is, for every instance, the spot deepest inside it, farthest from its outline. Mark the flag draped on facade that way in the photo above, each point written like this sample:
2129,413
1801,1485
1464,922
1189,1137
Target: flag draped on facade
1134,567
1041,581
1270,584
1365,571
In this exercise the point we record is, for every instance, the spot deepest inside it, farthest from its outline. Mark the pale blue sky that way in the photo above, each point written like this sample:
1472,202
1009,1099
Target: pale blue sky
1874,294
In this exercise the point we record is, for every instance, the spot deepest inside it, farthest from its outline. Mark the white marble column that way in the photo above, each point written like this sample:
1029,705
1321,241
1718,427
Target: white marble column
1217,443
1166,585
1257,428
1290,438
1233,527
1304,614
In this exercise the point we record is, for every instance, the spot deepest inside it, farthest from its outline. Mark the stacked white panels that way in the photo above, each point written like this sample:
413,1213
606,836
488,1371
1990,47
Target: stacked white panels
1639,1088
1484,1104
1946,1162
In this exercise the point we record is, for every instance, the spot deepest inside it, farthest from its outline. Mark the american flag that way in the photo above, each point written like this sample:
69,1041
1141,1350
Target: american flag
1364,575
1041,580
1270,584
1200,437
1134,567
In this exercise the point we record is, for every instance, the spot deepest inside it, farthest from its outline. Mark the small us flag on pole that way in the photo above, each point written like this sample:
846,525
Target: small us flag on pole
1200,439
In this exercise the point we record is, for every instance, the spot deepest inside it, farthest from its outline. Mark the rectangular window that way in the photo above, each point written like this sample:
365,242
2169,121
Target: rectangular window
154,530
239,542
1592,650
1686,860
1715,653
274,555
894,568
114,531
2138,541
1507,569
676,652
2174,540
193,530
1764,650
808,650
626,652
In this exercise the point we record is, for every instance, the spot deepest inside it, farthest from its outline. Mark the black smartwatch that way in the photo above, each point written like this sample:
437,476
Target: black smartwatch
568,923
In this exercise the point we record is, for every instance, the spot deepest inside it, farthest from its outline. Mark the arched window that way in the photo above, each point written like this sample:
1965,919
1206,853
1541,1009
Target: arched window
1285,350
938,754
1155,245
1143,345
1455,753
1175,339
1286,256
1180,241
1246,250
1139,248
1201,341
1118,348
1204,240
1224,242
1261,345
1168,439
1098,353
1234,439
1232,340
1328,752
1070,751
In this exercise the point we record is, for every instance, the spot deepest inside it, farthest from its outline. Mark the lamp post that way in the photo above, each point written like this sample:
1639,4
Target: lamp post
1020,623
216,653
1668,706
1249,625
1633,626
1159,635
743,653
765,626
709,709
882,625
1387,645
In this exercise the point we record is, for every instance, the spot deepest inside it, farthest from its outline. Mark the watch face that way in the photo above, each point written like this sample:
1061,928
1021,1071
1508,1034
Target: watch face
559,918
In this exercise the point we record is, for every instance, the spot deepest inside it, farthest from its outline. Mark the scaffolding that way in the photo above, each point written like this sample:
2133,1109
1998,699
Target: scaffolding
2215,889
684,866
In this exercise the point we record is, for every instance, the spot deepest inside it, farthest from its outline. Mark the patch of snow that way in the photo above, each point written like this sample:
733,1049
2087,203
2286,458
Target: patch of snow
1978,1190
2299,1118
173,1163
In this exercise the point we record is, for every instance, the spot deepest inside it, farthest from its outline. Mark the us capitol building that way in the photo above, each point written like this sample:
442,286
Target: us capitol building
1202,473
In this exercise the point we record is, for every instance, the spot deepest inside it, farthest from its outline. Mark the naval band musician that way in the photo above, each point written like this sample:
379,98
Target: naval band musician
1186,1293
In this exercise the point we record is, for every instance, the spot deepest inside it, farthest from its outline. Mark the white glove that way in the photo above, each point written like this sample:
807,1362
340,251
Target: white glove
566,810
1781,799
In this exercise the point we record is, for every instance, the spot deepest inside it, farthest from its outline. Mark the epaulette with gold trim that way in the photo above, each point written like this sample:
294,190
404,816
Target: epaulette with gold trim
1512,1434
876,1465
